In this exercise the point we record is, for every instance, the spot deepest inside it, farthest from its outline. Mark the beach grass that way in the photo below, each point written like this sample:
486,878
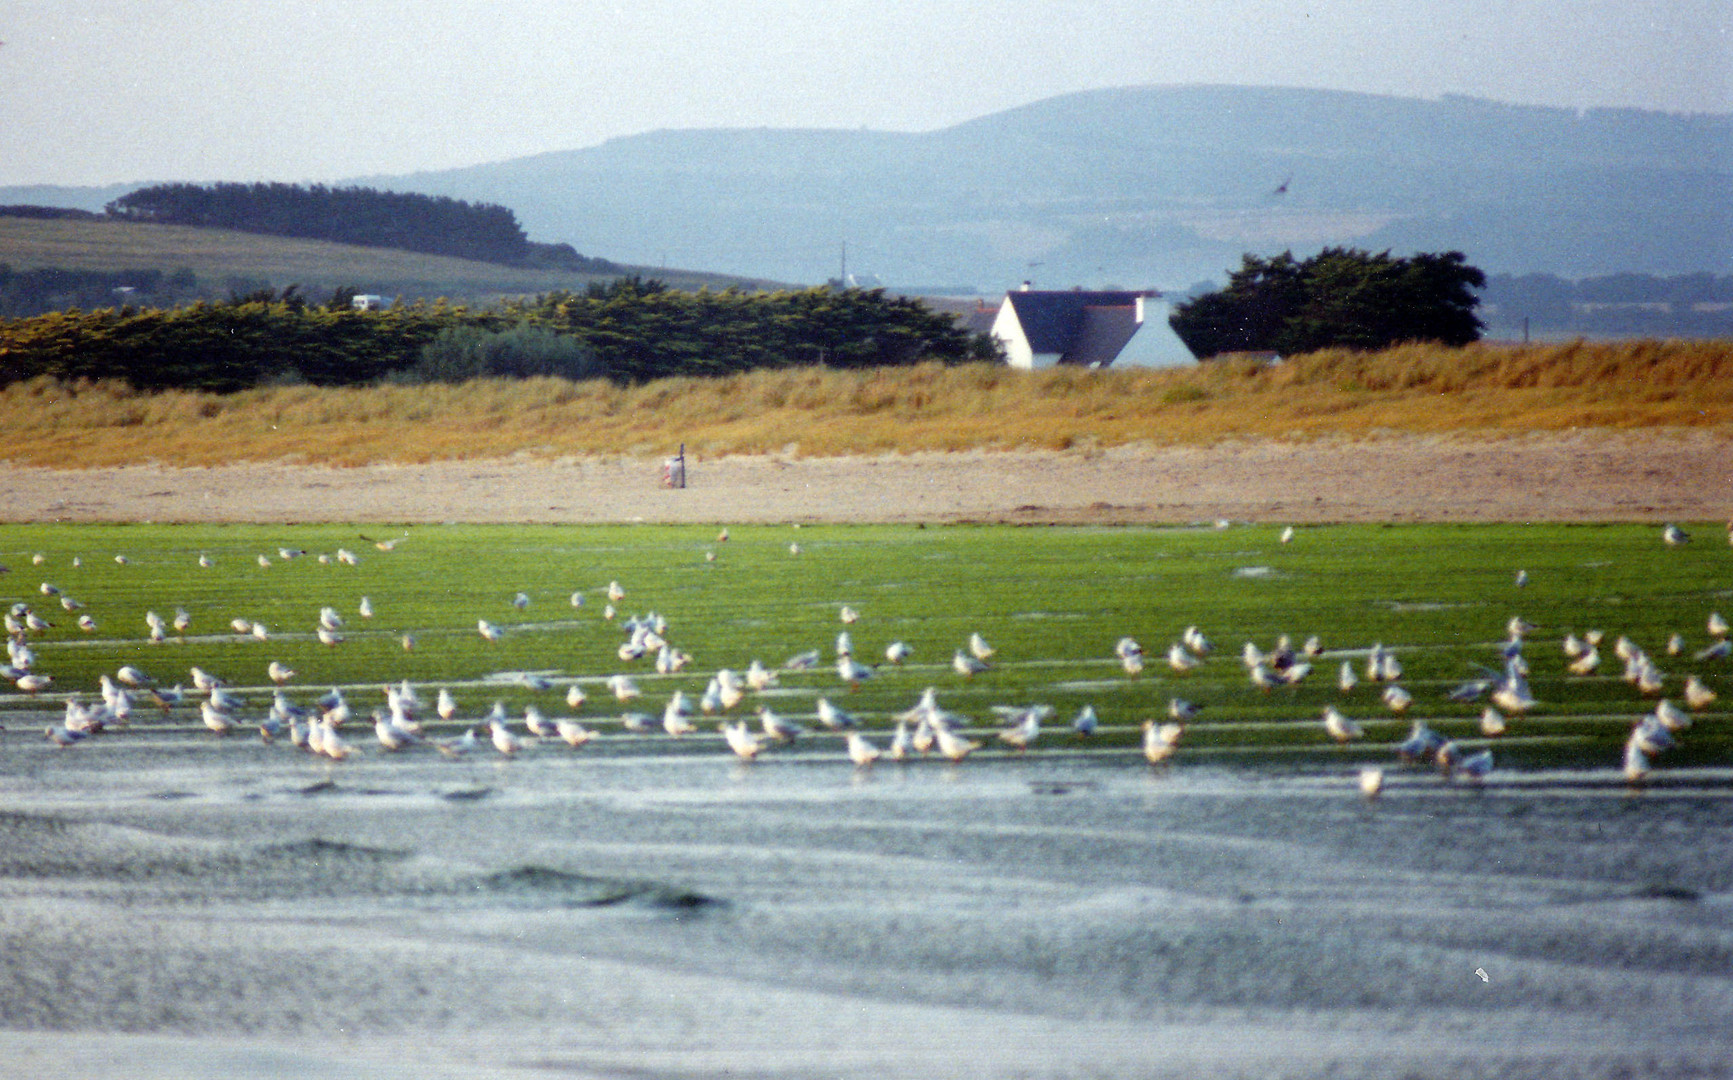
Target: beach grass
1483,390
1052,602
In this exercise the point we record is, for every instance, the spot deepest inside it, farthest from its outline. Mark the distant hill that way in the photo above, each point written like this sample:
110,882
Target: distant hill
1144,186
223,262
1141,186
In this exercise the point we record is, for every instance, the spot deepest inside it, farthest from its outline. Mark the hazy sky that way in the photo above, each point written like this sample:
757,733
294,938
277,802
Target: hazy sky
124,90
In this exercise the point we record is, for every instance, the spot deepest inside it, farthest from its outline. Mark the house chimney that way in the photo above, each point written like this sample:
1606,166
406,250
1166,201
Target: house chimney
1026,285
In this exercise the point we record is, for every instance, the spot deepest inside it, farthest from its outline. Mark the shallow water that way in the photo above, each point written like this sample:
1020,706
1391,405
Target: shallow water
177,906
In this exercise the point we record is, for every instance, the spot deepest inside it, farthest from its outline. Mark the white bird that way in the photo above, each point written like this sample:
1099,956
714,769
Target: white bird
538,725
953,746
1346,679
860,751
1671,717
1132,664
1287,536
979,649
844,644
777,727
615,592
329,619
488,630
638,723
1718,651
1179,659
896,652
1160,740
834,718
1194,639
1521,579
203,681
206,561
676,719
1027,728
759,677
745,745
1675,644
1697,693
1475,766
241,626
64,736
574,733
279,673
1673,536
623,688
132,676
347,557
1339,727
521,601
503,739
328,637
458,745
1718,626
902,743
364,608
808,659
445,705
575,696
1371,781
967,666
1085,723
1492,723
852,671
264,561
216,719
1636,763
848,614
390,735
794,548
1586,663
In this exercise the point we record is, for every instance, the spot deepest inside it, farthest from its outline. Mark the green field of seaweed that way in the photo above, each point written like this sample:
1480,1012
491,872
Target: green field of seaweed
1052,603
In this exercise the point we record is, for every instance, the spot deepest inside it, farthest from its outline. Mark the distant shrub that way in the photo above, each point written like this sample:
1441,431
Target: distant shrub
460,353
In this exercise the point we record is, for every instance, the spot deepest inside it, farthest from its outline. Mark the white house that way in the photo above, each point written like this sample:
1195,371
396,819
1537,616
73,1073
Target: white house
1089,328
368,302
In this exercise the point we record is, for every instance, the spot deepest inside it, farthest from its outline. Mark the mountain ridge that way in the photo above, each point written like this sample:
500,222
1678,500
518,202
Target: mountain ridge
1139,186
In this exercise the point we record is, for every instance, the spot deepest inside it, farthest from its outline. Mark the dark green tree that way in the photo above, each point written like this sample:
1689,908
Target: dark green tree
1341,297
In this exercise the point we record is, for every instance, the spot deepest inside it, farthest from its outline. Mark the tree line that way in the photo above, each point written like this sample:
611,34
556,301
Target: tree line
629,330
429,224
1341,297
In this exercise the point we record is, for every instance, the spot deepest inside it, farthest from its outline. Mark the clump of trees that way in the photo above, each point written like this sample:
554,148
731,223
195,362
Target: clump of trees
1339,298
630,331
433,225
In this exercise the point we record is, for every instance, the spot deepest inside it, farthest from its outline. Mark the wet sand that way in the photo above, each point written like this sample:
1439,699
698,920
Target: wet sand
1573,476
224,908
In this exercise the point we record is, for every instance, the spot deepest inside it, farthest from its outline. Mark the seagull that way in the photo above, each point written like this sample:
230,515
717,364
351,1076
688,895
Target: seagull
1026,729
852,671
1673,536
676,720
1586,663
967,666
458,745
1371,781
538,725
848,614
953,746
1194,640
1697,693
1160,740
1132,664
1340,727
1491,722
1717,625
216,719
488,630
347,557
1179,659
503,739
1422,743
1475,766
902,744
132,676
834,718
896,652
1287,536
1086,721
1636,763
861,752
391,736
64,736
638,723
802,661
385,545
623,688
745,745
329,619
1345,679
206,561
777,727
203,681
575,696
979,649
365,608
615,592
844,644
328,637
574,733
521,601
1720,650
279,674
1671,717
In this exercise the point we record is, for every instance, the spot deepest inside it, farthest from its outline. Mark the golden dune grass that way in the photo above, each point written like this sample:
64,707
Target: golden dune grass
1482,389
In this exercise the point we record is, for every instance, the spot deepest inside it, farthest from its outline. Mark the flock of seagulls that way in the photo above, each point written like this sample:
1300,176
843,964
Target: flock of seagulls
328,726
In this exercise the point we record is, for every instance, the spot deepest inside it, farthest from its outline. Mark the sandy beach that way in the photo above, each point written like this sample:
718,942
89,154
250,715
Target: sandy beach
1571,476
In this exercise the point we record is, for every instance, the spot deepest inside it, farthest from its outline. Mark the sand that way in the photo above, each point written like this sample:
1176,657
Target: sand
1570,476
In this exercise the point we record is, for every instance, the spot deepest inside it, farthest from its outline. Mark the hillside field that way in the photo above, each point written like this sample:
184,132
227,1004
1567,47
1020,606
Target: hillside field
216,255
